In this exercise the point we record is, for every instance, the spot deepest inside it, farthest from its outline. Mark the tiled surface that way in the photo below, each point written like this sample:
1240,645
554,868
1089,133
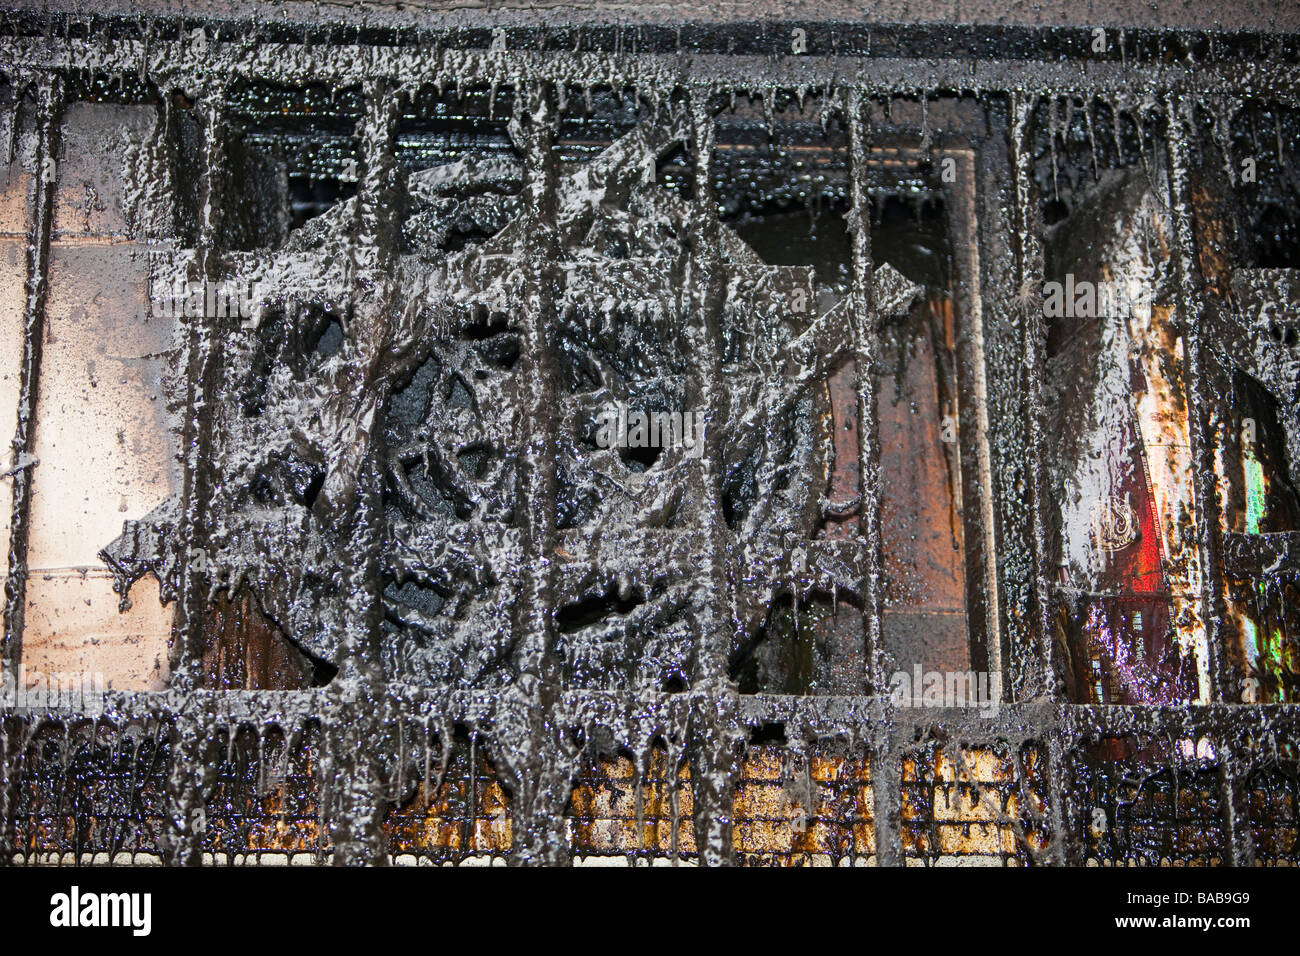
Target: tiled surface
103,449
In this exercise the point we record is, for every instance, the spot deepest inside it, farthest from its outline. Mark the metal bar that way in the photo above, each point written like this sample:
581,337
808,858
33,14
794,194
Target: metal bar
716,733
823,716
540,248
866,346
348,64
49,107
15,735
190,770
1238,838
1239,848
1033,670
1066,847
374,261
886,783
1190,308
202,359
529,745
1009,557
750,18
355,741
1033,673
983,598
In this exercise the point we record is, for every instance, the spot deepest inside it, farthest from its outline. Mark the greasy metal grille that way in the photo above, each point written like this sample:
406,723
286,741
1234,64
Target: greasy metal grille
520,657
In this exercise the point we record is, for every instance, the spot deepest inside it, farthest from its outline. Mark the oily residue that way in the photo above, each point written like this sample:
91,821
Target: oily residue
470,628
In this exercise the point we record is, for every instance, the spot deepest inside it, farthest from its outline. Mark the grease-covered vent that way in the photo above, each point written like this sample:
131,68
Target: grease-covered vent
729,443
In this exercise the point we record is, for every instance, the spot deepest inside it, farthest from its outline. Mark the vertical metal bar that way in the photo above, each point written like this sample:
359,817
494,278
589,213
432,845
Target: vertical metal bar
532,752
886,781
1035,676
1190,310
1066,846
866,347
356,735
1238,835
191,768
202,361
1239,844
886,797
49,105
982,591
537,477
707,284
374,256
717,736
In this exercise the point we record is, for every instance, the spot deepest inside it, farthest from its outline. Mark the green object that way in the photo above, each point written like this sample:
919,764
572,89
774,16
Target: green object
1254,493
